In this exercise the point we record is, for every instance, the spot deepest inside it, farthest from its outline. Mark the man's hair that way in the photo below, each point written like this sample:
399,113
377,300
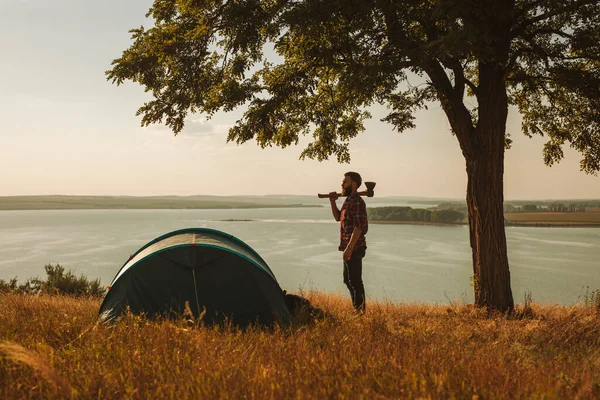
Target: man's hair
355,176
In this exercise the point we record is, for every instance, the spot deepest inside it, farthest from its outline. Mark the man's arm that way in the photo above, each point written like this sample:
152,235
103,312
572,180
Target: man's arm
334,209
356,232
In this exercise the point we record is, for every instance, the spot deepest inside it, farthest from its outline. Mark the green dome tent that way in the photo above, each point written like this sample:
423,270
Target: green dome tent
209,269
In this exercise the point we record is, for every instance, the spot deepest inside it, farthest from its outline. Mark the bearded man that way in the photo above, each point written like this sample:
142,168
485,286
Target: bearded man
353,228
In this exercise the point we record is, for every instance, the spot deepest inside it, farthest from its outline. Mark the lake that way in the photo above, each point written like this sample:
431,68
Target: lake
404,263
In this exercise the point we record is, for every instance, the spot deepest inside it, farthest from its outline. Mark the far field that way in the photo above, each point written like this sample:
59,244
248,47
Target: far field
554,218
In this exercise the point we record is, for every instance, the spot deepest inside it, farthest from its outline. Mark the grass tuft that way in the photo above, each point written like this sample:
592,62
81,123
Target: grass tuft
18,353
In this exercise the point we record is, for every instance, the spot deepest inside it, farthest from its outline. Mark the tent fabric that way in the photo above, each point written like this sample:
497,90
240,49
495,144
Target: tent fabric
217,274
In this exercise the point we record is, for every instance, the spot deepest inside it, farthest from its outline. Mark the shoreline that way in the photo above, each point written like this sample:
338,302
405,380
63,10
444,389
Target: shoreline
551,224
224,207
417,223
528,224
67,202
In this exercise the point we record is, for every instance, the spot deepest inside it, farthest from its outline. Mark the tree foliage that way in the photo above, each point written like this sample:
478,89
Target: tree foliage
341,56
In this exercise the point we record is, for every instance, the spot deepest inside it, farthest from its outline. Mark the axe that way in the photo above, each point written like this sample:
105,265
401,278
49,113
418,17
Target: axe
369,192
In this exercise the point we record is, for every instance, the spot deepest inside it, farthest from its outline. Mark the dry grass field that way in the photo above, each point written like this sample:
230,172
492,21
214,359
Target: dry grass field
554,218
51,348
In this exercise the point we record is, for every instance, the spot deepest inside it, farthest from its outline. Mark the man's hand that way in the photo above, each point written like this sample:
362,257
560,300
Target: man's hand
347,255
333,196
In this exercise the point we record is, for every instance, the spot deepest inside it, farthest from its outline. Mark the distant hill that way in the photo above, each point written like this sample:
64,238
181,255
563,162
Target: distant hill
61,202
66,202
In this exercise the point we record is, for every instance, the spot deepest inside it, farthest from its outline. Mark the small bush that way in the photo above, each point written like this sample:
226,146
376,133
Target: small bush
8,287
57,282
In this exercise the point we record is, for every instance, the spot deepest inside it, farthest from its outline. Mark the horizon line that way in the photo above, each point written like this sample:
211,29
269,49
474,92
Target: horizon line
297,195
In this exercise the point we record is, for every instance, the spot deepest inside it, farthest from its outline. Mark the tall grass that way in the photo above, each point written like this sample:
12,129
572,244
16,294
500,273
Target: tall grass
394,351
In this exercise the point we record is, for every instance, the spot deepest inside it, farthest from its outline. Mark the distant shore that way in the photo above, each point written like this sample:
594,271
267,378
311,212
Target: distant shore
417,223
65,202
15,203
535,220
554,219
538,224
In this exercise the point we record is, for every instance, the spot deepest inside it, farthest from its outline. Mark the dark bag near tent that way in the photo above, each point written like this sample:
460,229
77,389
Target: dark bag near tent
218,275
299,305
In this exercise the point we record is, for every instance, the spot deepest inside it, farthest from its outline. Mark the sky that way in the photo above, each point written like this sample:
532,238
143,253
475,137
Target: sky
64,129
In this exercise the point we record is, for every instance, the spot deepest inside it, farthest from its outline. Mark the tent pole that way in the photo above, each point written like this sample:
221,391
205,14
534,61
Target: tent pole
196,291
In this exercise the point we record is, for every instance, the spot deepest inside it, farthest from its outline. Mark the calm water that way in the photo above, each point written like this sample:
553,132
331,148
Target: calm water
403,262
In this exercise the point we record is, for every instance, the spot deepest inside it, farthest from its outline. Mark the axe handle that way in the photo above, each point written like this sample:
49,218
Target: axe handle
363,193
326,196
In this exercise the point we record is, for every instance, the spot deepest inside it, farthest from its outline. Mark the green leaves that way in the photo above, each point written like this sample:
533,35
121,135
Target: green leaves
556,77
404,104
341,56
204,56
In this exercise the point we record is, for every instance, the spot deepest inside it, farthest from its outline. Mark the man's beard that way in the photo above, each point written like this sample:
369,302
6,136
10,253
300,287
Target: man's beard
347,191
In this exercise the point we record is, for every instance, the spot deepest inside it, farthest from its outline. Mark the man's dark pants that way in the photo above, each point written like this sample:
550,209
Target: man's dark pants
353,278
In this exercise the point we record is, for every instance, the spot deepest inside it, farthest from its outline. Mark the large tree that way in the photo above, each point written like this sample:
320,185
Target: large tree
474,57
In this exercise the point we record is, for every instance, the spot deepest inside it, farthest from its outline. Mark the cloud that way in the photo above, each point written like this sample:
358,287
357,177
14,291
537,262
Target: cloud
198,135
198,126
193,127
358,151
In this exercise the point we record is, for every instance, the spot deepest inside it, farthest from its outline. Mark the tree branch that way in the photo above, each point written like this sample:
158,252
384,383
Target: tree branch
474,88
459,76
450,97
520,29
533,5
453,105
396,36
555,32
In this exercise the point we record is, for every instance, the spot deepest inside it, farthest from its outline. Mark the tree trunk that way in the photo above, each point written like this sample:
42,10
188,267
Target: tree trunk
483,149
485,195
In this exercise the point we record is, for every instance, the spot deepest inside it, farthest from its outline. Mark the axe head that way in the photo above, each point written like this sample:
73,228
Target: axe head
370,188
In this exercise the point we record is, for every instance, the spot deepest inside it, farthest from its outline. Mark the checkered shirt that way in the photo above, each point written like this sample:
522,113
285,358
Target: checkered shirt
353,213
